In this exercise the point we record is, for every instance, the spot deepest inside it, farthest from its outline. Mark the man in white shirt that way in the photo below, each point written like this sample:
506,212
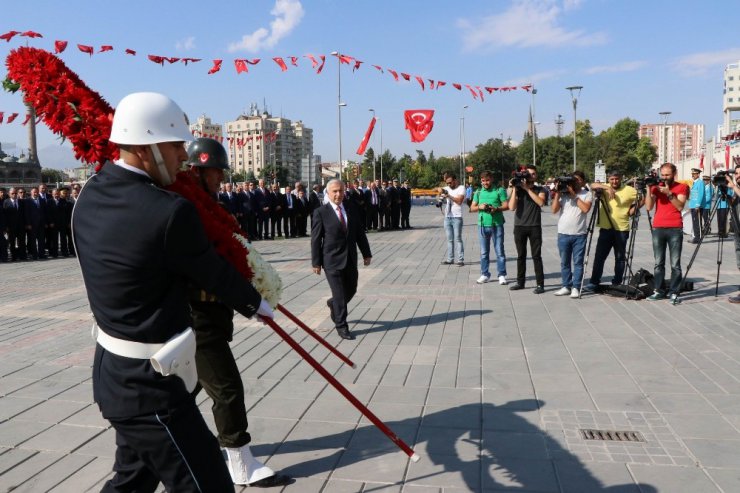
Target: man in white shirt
455,195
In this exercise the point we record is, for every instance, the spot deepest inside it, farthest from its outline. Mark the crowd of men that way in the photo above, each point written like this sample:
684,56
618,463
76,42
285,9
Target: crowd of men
265,212
571,198
35,225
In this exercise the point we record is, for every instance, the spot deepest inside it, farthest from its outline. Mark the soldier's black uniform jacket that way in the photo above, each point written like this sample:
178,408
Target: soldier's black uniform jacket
139,246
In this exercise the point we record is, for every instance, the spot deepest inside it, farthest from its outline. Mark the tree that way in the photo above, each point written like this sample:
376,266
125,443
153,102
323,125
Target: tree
50,175
646,154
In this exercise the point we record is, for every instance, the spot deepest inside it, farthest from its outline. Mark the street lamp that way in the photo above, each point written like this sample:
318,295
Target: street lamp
534,130
664,134
462,143
502,160
381,148
373,112
340,104
575,91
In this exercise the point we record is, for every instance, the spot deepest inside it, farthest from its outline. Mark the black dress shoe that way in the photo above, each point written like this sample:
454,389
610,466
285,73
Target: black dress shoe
331,308
516,287
272,481
539,289
344,333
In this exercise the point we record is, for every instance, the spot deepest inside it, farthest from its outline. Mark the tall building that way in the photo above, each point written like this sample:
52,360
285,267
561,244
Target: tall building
731,97
259,140
203,127
674,141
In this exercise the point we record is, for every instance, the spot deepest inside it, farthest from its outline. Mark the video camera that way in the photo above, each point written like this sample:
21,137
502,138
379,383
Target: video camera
649,180
519,177
563,182
720,179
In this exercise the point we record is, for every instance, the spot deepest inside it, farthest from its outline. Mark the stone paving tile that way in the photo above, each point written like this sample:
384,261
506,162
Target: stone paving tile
489,386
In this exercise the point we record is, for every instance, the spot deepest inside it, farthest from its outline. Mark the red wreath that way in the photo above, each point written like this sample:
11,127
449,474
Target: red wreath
71,109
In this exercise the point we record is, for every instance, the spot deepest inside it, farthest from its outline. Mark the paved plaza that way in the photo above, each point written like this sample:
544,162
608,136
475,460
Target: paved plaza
490,387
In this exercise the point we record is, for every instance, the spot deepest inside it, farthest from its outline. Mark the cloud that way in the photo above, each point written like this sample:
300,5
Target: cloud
288,14
618,67
536,78
526,24
185,44
699,64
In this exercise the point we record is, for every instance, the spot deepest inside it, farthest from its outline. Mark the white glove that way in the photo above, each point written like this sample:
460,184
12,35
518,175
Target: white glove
265,310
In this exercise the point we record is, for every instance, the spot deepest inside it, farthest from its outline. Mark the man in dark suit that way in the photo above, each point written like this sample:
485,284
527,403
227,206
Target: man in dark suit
263,214
276,211
405,193
394,197
289,213
372,203
139,246
230,200
314,201
36,224
336,233
13,209
65,230
3,228
301,213
386,196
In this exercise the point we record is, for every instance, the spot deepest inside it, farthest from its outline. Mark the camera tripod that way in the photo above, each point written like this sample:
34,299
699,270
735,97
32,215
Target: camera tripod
599,195
735,221
630,251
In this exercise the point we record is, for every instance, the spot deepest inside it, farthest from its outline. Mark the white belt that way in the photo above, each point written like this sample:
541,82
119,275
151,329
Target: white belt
175,357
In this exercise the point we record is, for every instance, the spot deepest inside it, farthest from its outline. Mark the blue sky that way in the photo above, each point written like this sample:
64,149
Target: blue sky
633,58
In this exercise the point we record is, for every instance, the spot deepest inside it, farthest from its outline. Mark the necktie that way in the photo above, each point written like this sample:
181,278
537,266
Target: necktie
341,218
290,202
375,198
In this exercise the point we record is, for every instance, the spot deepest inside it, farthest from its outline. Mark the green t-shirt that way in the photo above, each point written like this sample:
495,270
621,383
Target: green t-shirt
494,196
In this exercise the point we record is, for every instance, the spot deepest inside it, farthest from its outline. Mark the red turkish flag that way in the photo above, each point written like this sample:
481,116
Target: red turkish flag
440,83
357,65
405,76
281,63
491,90
419,123
457,86
59,46
527,88
1,116
420,81
366,139
86,49
294,61
253,61
28,117
172,59
727,157
31,34
380,69
216,67
9,35
472,91
129,51
394,74
345,59
157,59
105,48
241,66
194,60
701,162
12,117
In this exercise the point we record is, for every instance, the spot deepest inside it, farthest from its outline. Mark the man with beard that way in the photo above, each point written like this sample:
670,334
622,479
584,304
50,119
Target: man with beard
669,197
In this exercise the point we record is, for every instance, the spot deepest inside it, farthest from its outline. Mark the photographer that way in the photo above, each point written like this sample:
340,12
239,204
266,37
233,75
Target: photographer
619,203
669,198
696,199
733,196
572,201
453,195
489,202
526,201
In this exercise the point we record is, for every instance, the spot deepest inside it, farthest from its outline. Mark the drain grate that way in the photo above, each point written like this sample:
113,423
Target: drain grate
612,435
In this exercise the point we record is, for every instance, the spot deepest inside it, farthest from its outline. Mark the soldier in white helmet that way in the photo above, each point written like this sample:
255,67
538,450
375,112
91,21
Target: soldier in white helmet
139,246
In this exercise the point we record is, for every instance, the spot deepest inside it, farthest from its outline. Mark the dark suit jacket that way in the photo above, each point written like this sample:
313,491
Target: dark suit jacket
139,247
34,215
230,203
14,216
331,247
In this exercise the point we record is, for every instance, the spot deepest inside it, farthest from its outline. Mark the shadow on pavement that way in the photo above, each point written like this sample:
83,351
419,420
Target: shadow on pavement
485,447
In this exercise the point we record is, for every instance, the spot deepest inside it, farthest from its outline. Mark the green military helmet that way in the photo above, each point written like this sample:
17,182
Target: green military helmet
207,153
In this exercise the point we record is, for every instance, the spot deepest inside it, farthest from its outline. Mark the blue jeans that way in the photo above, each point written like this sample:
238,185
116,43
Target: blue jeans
453,229
486,233
673,238
572,248
608,239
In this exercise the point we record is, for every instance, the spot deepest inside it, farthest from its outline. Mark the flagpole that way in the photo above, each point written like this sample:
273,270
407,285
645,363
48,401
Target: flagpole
374,177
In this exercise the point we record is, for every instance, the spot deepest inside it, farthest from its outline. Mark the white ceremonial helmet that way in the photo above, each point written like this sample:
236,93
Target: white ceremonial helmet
145,118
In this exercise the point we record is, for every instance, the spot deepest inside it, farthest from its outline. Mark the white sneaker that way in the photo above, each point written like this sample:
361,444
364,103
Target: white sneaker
483,279
244,468
562,291
574,293
502,280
